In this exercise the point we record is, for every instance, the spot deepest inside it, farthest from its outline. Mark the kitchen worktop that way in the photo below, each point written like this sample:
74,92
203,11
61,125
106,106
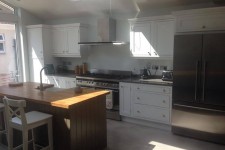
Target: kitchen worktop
63,98
154,81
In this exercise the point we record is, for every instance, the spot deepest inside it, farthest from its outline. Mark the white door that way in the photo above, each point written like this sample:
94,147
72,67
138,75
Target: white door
59,40
140,40
164,38
73,39
125,99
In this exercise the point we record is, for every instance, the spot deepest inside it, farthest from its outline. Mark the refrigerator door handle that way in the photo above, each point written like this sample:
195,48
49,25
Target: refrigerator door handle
196,80
203,85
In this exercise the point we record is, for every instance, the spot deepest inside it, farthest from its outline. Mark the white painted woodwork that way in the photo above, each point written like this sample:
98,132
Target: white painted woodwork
62,82
146,102
207,19
152,37
65,39
125,99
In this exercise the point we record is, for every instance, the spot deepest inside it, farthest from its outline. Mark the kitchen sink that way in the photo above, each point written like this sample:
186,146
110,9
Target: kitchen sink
53,89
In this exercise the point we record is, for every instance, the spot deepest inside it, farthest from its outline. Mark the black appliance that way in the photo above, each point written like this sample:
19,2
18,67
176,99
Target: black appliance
49,69
199,86
145,74
167,75
108,80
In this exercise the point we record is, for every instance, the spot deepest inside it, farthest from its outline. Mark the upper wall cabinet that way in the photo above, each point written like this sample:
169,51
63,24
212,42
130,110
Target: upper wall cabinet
152,37
65,39
207,19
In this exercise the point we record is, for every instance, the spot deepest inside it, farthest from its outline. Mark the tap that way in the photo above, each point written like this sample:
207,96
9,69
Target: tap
41,84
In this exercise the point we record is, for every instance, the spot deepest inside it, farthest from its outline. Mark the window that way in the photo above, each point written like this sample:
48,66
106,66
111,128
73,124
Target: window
2,43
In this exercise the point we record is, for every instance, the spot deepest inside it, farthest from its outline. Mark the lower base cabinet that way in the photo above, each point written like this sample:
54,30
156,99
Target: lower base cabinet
146,102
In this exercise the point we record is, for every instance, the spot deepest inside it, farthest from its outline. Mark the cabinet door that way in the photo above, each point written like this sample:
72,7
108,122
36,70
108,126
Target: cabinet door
36,64
125,99
73,39
140,40
59,40
164,39
35,45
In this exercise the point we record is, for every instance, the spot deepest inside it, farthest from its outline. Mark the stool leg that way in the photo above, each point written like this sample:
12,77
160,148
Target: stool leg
10,138
25,139
50,137
33,139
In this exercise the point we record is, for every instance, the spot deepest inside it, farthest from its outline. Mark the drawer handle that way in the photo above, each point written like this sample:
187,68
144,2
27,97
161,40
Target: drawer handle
138,88
164,90
138,111
138,98
164,101
163,116
203,27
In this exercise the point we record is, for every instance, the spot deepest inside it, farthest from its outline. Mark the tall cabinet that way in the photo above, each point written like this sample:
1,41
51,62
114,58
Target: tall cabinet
39,46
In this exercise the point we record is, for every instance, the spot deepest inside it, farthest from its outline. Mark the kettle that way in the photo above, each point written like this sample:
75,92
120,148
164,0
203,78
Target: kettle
145,73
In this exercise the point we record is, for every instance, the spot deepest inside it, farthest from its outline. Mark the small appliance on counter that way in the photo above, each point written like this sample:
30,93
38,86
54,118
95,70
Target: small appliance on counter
49,69
145,74
167,75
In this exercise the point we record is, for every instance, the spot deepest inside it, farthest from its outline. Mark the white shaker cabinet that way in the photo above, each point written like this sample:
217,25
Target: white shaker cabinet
146,102
125,99
140,40
39,50
152,37
206,19
65,39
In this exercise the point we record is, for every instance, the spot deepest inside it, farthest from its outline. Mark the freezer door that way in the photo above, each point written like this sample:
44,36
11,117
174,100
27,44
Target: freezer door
186,68
199,123
213,71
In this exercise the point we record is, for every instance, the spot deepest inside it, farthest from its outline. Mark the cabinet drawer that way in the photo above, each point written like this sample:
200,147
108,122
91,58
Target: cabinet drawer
152,88
151,113
152,99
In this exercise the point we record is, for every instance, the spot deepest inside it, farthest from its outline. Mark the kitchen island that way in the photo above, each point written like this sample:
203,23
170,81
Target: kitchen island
79,120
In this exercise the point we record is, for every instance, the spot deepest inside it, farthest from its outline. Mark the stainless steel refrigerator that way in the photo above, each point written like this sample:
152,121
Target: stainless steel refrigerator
198,108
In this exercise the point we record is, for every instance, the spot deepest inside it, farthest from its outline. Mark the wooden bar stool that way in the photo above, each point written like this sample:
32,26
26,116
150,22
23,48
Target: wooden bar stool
2,111
18,119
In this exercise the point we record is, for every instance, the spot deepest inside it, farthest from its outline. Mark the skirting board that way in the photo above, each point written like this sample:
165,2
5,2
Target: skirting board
147,123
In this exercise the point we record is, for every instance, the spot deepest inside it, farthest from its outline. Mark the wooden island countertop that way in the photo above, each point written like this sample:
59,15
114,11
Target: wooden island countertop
79,120
64,98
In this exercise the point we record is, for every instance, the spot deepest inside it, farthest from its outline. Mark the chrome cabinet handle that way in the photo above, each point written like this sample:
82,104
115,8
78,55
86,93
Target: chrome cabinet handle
196,80
164,90
163,116
203,27
138,98
164,101
138,88
138,111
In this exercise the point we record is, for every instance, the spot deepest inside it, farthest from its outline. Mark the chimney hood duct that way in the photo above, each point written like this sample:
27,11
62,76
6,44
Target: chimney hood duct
106,33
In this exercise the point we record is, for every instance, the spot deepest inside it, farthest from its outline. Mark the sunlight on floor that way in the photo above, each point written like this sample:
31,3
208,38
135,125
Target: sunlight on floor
161,146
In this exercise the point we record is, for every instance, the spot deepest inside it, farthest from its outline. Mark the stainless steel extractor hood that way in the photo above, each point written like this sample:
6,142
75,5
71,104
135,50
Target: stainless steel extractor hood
106,33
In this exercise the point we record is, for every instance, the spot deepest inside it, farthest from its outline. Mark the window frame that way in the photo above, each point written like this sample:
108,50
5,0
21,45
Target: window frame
3,43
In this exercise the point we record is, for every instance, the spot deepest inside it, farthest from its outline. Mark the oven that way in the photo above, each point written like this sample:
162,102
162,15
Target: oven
105,80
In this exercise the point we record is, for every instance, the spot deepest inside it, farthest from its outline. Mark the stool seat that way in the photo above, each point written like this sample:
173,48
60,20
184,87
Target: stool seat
32,117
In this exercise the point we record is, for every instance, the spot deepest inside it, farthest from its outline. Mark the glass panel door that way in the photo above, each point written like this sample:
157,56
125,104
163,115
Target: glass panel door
8,54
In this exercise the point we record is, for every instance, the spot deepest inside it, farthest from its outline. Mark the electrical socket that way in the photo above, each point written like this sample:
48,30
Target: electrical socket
163,68
155,67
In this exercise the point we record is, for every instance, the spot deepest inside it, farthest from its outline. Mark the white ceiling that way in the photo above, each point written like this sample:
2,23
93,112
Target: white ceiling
57,9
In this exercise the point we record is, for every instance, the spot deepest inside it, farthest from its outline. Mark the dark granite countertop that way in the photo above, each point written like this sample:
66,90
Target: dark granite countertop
154,81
